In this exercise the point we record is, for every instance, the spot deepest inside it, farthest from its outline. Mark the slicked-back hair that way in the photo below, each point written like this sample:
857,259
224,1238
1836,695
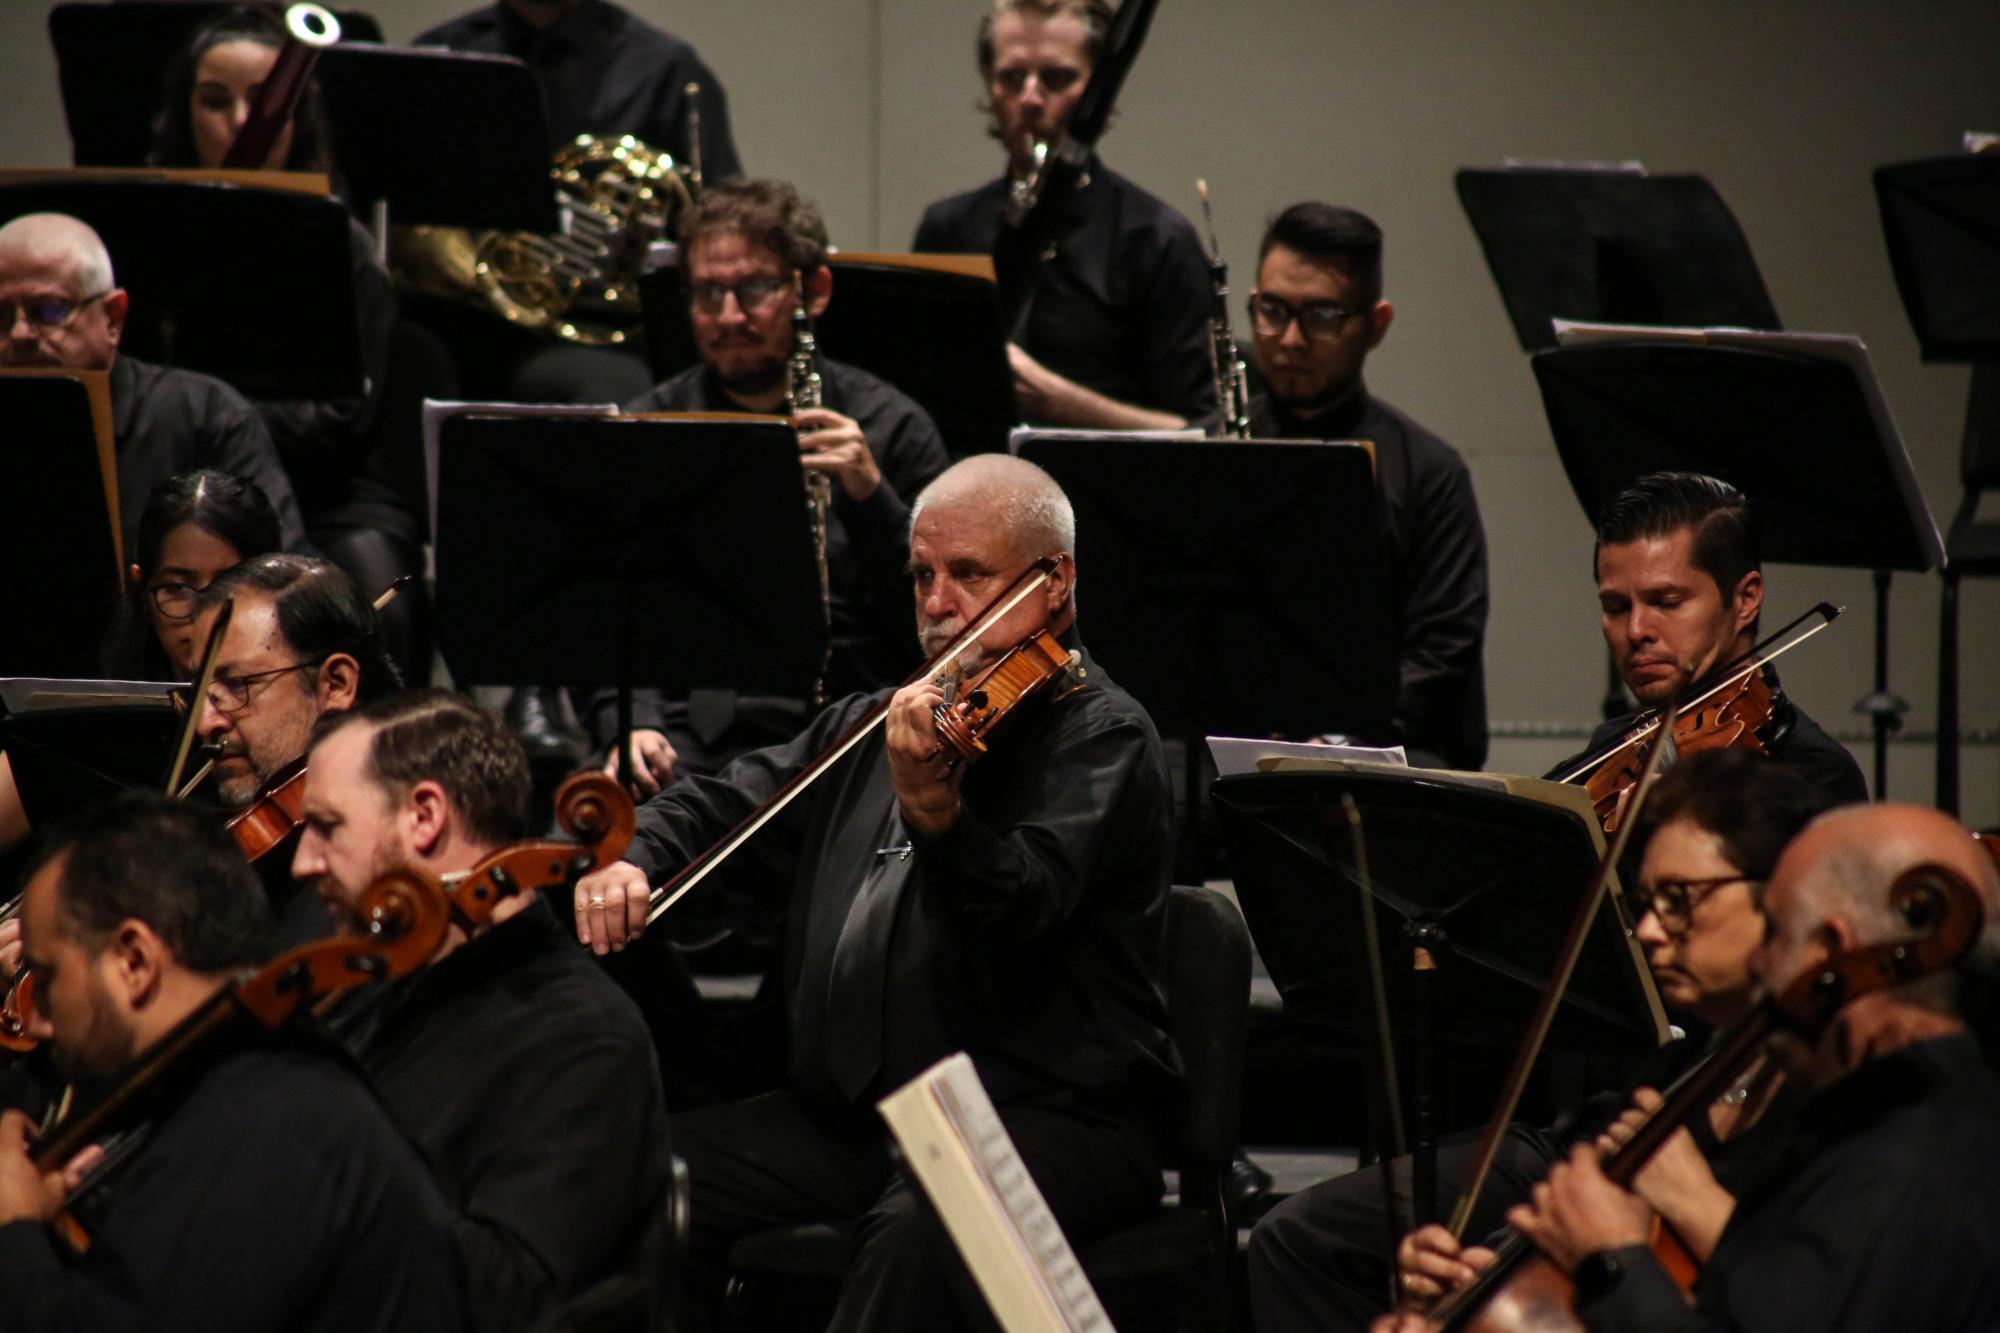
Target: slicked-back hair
1753,805
765,212
1096,16
1330,234
438,736
1660,504
173,128
166,863
320,612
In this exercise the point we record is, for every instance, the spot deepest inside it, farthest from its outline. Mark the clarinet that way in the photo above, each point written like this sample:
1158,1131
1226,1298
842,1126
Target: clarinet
801,392
1232,378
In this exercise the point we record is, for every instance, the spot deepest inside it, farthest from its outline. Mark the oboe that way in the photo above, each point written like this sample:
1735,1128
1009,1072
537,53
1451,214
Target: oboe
1232,379
801,392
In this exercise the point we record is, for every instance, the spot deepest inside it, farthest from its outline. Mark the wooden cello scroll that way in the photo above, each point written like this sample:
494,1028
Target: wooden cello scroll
1523,1291
590,807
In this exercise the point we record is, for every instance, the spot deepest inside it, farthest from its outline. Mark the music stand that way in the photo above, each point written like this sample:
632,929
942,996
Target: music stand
72,743
112,62
1191,557
1481,872
1613,246
484,113
693,570
1941,219
1794,421
58,521
928,324
214,269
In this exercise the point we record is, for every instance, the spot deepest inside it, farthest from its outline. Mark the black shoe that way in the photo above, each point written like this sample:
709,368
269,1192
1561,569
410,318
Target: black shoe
541,719
1248,1185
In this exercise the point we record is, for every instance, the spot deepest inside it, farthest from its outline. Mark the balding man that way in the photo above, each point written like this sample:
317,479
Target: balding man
1013,910
1880,1207
64,309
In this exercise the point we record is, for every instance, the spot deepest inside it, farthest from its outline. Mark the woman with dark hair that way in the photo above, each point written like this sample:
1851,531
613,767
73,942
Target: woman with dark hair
195,526
352,461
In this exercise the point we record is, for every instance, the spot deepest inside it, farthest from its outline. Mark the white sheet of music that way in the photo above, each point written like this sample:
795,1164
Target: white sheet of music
960,1152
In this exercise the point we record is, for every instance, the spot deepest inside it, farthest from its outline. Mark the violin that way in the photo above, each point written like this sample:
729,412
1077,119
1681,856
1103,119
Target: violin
276,810
1523,1290
1733,707
990,697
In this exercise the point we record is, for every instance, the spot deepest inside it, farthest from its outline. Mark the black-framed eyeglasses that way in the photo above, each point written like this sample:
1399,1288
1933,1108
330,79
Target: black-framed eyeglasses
1674,900
174,601
231,694
1320,321
750,294
45,314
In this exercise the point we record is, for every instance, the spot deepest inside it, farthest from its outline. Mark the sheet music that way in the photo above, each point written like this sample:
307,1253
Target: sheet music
1242,754
948,1101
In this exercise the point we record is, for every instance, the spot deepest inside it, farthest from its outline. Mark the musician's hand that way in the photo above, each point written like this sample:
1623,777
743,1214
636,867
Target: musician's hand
653,757
925,788
611,906
1038,391
834,444
1578,1211
26,1194
10,948
1431,1264
1678,1182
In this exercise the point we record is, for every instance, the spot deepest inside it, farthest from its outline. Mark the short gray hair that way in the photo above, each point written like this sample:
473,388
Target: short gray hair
1025,499
91,262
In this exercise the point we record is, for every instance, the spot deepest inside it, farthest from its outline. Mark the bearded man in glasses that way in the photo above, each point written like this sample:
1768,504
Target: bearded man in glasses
753,249
1316,313
64,310
302,641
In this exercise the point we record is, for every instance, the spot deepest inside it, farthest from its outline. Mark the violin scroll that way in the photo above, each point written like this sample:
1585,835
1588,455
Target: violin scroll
594,809
590,806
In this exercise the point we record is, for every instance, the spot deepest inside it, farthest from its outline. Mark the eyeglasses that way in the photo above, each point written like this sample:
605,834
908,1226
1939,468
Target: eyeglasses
231,694
46,314
750,294
174,601
1320,321
1674,900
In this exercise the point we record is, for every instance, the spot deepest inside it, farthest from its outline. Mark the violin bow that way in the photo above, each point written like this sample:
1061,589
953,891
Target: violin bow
1559,975
201,684
1384,1043
1756,659
664,897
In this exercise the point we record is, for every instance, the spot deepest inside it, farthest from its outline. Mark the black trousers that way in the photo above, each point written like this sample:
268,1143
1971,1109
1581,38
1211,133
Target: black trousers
768,1162
1323,1259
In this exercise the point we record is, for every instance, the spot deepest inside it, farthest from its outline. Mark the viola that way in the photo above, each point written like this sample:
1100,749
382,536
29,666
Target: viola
1028,669
273,812
1522,1291
592,808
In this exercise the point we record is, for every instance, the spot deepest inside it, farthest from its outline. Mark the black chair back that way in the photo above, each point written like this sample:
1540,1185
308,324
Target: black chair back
1208,1005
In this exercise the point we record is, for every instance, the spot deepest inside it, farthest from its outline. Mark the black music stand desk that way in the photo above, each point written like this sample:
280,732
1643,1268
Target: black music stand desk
73,743
112,61
1483,872
1232,587
1794,421
602,551
220,273
58,527
928,324
1612,245
1941,218
444,138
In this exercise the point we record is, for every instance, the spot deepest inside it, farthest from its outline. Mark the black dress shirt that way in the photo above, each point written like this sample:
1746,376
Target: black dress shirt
605,72
1434,548
527,1079
166,421
1879,1208
1030,934
1122,308
1801,744
274,1194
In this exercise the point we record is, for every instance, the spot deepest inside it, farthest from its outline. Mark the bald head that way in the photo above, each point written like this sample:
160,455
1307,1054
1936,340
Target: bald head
60,244
1019,497
56,289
